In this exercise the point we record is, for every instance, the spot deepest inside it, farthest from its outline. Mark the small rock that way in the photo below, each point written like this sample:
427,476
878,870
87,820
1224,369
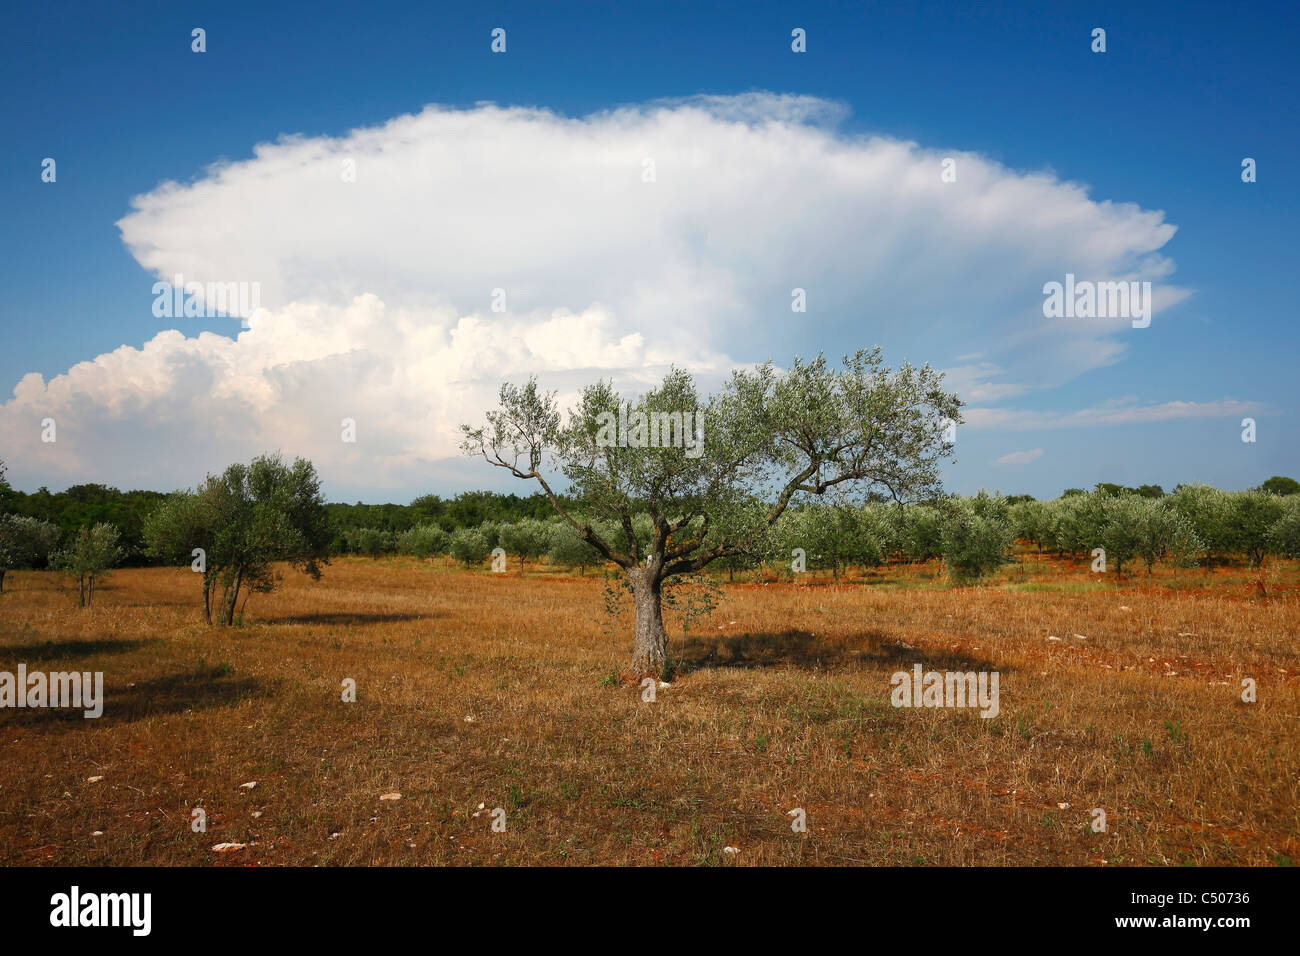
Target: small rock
227,847
730,849
248,786
98,833
95,779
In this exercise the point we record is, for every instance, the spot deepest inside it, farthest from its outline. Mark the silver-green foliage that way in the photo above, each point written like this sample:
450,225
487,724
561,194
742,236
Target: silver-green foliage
25,543
88,558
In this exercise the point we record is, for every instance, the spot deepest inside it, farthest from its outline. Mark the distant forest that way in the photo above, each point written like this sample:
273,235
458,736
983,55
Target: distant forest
84,505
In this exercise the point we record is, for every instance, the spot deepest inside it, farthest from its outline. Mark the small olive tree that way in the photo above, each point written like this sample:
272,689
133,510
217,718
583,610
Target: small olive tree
1284,536
1164,533
1209,511
527,538
471,546
567,548
714,483
87,560
237,525
423,541
977,536
1251,516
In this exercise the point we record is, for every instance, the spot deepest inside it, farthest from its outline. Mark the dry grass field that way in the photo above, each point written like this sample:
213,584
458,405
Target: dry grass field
495,690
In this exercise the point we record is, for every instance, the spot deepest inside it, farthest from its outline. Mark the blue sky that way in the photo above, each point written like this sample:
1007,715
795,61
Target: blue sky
1161,120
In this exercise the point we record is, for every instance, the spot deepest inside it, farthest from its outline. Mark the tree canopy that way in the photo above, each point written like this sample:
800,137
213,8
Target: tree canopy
767,440
237,524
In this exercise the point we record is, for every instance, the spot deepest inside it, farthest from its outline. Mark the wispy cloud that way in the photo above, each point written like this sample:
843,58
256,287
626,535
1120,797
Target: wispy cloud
1124,411
1020,457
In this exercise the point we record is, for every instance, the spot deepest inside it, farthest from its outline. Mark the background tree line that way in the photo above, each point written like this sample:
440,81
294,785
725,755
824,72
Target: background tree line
87,505
1194,525
253,516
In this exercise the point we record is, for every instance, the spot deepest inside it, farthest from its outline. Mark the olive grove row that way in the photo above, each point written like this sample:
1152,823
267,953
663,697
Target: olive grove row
972,536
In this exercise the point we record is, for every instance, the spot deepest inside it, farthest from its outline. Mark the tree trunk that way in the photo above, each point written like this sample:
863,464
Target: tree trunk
650,641
2,578
229,600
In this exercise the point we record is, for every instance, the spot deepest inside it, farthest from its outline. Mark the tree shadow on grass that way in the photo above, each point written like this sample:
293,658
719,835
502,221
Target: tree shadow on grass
66,650
193,690
342,618
795,648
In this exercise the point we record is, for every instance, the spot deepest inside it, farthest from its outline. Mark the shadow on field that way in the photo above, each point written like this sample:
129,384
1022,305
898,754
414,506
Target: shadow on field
792,648
342,618
173,694
66,650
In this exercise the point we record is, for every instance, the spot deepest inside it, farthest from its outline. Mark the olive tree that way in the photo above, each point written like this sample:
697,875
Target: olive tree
1284,536
527,538
713,483
372,542
1076,523
1164,533
471,546
828,536
238,524
568,549
1209,511
873,536
920,532
1121,530
977,536
423,541
1032,521
1251,516
88,558
24,543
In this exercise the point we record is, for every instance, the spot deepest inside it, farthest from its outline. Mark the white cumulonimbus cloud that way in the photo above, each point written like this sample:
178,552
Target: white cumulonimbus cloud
619,243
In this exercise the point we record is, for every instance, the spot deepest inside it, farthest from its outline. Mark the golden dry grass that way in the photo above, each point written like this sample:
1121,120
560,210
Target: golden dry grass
477,688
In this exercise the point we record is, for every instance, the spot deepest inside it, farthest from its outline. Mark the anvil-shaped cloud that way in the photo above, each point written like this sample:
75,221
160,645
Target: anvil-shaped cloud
621,242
